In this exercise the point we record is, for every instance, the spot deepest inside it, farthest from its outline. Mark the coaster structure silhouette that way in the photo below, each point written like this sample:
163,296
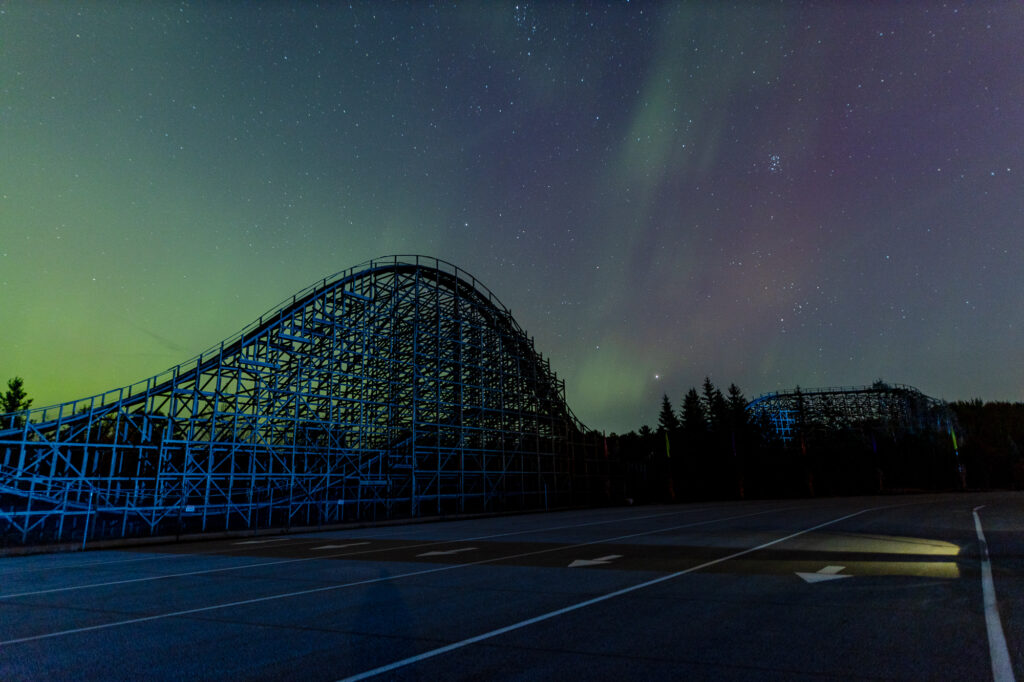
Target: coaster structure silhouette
401,387
898,406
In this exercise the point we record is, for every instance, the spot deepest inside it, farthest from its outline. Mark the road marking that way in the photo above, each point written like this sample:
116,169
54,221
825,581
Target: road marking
450,551
261,542
346,554
827,573
595,562
87,564
1002,669
351,544
328,588
278,562
589,602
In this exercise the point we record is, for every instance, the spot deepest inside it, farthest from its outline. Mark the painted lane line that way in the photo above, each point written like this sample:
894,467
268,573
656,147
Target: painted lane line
824,574
351,544
164,576
583,604
450,551
261,542
601,560
366,582
155,556
204,609
396,530
1002,669
183,574
279,562
385,532
550,529
87,564
328,588
599,523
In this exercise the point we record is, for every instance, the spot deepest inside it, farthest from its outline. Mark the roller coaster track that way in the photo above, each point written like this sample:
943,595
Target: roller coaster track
399,387
896,406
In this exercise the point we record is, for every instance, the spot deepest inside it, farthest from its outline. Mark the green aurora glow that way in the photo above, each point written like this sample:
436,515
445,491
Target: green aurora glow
809,194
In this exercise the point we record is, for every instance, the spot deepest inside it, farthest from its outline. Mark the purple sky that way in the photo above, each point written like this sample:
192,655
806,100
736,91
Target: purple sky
801,193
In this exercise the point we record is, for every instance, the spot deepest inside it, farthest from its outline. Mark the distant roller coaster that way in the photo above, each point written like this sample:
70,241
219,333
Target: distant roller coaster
896,406
399,387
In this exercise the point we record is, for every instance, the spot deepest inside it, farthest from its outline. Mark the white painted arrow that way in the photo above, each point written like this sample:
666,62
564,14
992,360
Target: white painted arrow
827,573
260,542
595,562
351,544
450,551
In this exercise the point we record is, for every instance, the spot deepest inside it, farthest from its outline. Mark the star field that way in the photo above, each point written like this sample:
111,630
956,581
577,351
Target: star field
796,193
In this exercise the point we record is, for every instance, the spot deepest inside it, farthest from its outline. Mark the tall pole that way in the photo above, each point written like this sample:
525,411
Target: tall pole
88,514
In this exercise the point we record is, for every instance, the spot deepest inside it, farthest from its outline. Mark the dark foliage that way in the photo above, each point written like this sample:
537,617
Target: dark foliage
714,450
991,440
14,400
667,421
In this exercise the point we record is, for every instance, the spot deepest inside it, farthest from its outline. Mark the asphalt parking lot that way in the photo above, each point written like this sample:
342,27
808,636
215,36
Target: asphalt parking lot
851,588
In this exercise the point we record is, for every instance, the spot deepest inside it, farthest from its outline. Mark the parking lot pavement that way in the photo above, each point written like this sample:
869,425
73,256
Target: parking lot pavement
887,587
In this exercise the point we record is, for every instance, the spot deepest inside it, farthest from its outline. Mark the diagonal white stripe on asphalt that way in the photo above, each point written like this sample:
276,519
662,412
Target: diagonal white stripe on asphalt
1002,669
605,597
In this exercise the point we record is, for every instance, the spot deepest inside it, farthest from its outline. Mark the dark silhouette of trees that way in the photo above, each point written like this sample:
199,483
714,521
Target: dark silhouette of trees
667,420
715,406
990,441
692,416
739,436
713,449
15,400
690,444
668,433
715,469
737,404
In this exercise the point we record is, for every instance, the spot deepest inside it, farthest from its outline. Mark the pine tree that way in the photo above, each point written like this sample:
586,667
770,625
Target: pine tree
739,427
15,399
737,407
694,420
667,420
715,406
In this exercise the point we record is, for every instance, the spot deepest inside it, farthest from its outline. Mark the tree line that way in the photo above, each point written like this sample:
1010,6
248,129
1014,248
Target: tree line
14,400
992,445
711,448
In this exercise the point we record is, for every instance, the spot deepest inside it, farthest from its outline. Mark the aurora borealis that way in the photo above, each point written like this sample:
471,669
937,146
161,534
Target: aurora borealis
770,194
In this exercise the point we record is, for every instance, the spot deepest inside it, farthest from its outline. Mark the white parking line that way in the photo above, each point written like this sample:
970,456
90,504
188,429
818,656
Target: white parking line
348,544
1002,669
155,556
88,564
336,555
328,588
579,605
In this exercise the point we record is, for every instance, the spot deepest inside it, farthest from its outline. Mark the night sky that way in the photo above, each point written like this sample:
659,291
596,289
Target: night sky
772,194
